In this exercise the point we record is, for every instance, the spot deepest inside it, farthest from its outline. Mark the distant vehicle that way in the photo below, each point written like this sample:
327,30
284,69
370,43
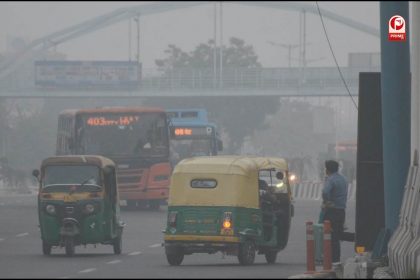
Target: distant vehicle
135,138
191,134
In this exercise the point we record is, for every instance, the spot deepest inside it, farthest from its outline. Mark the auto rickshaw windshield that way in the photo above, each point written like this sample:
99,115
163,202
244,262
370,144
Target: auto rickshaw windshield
61,178
269,176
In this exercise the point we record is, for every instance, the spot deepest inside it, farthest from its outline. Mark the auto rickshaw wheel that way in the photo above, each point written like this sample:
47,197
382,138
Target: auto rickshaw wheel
271,256
246,254
117,244
131,204
46,248
175,256
69,244
154,204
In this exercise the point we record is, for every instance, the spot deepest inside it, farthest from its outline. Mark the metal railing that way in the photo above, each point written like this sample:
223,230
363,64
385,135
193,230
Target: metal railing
254,78
316,78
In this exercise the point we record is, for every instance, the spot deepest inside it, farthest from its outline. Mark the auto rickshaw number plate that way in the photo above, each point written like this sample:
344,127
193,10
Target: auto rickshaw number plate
69,198
123,202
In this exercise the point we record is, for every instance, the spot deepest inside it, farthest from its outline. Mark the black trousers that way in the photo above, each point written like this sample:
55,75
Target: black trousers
336,217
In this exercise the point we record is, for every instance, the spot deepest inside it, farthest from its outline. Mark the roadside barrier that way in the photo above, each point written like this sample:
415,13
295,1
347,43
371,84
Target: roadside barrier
323,242
404,245
310,248
327,246
312,190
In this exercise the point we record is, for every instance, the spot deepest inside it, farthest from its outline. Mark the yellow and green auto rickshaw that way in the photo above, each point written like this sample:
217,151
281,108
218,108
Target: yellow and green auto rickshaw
233,204
78,203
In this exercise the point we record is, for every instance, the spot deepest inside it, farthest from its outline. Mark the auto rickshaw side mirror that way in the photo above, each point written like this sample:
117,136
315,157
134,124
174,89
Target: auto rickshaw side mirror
279,175
35,173
219,145
71,143
107,169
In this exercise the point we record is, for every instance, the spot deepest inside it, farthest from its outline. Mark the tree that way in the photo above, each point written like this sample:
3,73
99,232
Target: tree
176,59
237,54
240,116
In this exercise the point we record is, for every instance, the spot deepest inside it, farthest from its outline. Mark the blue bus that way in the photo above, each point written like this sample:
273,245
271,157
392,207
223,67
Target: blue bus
191,134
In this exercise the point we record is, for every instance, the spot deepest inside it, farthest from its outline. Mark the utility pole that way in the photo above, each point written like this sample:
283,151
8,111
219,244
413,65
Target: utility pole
290,55
214,48
129,39
304,45
289,48
221,45
137,20
304,41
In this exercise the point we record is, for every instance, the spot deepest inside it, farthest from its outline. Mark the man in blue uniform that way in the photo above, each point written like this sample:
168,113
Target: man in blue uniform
334,196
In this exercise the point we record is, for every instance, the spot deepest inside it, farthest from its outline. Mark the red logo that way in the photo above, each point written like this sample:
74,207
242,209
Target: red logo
396,30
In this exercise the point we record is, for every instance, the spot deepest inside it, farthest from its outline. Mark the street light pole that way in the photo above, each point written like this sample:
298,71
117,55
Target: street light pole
221,45
214,48
137,20
289,48
304,40
129,40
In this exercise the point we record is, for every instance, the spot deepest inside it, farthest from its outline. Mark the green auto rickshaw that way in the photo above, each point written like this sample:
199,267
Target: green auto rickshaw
78,203
236,205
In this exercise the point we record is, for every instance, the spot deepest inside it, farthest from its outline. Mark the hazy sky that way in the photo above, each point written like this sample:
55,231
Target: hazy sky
188,27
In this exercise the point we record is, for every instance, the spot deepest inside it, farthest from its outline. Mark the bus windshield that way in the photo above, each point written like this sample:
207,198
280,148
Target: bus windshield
190,148
123,134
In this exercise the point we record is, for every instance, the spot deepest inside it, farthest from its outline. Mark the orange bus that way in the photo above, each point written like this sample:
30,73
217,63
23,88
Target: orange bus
135,138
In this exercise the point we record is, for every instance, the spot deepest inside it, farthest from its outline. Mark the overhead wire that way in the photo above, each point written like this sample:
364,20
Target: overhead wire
335,59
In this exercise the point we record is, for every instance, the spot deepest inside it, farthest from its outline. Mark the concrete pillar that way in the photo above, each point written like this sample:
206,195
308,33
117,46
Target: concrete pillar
396,91
415,83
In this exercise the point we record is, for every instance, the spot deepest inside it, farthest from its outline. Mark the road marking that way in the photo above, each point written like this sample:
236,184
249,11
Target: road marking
2,203
155,245
134,253
21,234
1,239
114,262
87,270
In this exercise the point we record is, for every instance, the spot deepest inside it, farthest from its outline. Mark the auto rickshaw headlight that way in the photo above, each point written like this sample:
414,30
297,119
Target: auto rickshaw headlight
50,209
89,208
227,224
280,185
227,220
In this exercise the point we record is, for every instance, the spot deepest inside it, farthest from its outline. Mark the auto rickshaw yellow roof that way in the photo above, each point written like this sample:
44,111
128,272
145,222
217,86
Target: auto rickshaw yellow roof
82,159
236,178
238,165
271,162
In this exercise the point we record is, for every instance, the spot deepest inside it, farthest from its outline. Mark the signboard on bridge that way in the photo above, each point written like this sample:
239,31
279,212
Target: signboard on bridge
87,74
